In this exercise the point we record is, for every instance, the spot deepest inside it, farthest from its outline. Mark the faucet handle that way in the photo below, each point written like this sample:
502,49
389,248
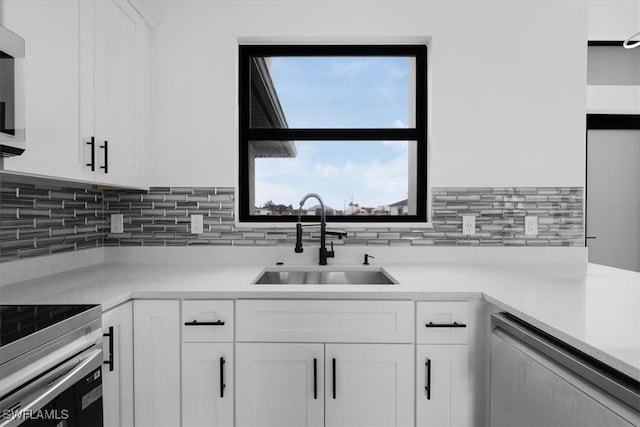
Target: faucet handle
366,259
298,248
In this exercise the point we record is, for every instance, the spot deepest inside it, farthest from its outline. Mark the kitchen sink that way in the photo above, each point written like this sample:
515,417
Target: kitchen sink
293,276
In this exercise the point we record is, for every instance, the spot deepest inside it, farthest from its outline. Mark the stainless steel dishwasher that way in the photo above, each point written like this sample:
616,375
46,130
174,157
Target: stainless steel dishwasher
538,380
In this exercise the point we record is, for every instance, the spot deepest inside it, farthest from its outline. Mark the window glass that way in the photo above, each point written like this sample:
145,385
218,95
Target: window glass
332,92
353,177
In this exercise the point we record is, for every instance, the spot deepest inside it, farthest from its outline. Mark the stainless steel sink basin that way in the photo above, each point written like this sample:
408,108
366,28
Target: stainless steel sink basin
325,277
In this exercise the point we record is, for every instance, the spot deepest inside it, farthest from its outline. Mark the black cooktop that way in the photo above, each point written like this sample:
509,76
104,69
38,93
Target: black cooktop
19,321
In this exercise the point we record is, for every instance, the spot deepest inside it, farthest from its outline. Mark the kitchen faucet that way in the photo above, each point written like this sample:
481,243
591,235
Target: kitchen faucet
324,253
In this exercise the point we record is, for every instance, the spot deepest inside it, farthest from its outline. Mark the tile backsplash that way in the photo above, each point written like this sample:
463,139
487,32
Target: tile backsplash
42,220
47,219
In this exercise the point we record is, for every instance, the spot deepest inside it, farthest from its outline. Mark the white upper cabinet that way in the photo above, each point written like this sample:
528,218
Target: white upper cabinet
113,99
86,75
51,64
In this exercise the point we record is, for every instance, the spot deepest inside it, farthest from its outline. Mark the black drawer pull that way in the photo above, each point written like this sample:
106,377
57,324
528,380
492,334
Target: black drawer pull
445,325
106,157
315,378
427,385
334,378
222,384
196,323
92,143
109,362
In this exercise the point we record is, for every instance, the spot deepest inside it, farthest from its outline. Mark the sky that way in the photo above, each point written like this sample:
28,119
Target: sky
321,92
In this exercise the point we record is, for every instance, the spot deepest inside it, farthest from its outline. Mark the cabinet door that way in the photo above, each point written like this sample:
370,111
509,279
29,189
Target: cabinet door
207,384
113,89
117,372
442,385
156,337
50,30
279,385
369,385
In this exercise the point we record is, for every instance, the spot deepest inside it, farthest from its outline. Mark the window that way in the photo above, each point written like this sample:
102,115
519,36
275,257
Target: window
345,121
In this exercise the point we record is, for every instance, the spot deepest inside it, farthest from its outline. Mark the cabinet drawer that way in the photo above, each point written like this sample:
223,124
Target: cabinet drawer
442,322
325,321
207,321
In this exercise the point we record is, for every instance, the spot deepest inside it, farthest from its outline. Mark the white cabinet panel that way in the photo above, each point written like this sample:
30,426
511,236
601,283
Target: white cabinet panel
113,83
442,385
369,385
157,362
207,384
117,377
207,321
275,385
51,33
434,316
86,75
325,321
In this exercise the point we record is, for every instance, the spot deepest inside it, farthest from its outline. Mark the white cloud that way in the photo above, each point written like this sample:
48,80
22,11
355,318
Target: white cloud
397,145
330,171
398,124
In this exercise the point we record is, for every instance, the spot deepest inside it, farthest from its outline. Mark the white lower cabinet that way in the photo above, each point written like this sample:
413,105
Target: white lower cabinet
335,371
207,363
442,364
255,363
156,335
117,371
207,384
279,384
442,395
300,384
369,385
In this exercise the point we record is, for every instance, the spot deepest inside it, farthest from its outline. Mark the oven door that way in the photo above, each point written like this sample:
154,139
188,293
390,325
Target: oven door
70,395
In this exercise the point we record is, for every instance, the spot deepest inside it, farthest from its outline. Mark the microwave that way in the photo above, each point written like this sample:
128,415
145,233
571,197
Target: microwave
12,127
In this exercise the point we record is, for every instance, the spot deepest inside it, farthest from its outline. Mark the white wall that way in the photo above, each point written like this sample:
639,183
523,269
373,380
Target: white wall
507,91
613,19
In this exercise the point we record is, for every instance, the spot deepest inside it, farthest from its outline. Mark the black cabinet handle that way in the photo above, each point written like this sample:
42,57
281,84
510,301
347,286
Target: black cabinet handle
445,325
109,362
334,378
196,323
92,143
222,384
427,385
315,378
106,157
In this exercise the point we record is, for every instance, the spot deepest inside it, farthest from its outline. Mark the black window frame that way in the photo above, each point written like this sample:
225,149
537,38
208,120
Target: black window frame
418,134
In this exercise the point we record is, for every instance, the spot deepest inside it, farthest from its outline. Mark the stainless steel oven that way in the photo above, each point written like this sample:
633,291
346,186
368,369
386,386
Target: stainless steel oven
50,365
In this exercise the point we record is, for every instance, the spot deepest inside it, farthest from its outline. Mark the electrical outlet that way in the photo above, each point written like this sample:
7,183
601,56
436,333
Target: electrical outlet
117,223
197,224
530,225
468,225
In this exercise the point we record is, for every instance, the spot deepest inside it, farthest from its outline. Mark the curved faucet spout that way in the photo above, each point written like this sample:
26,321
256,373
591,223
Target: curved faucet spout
304,199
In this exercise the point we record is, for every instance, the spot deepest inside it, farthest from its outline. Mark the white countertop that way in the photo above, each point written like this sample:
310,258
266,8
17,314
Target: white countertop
594,308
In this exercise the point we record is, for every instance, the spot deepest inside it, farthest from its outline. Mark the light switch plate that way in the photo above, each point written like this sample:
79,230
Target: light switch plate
530,225
468,225
117,223
197,224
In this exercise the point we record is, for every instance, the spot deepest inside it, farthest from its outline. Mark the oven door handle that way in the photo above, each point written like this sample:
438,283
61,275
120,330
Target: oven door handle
80,366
